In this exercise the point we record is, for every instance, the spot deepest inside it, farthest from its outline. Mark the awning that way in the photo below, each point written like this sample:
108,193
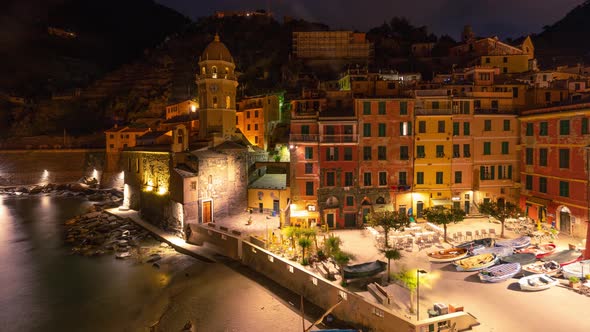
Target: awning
538,201
436,202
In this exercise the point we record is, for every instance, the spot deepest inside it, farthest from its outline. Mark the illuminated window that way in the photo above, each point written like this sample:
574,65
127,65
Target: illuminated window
214,72
227,102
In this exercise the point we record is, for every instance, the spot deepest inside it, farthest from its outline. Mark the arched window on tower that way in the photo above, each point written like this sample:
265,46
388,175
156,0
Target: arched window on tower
214,72
203,70
227,102
227,71
214,101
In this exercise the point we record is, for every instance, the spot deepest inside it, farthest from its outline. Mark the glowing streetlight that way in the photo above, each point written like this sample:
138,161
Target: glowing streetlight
418,272
193,108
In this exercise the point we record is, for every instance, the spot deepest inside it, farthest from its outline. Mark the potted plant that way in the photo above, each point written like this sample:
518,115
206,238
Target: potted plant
574,282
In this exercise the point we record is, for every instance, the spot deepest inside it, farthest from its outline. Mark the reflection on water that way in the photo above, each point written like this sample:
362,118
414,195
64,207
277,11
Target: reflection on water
43,288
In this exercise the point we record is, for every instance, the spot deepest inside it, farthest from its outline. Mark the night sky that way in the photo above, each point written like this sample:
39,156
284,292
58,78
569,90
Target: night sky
504,18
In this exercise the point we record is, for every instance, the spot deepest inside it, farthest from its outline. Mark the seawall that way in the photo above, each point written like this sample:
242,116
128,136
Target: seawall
28,167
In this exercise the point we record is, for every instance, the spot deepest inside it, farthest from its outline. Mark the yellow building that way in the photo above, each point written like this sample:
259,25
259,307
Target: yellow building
183,108
270,194
118,138
432,149
256,118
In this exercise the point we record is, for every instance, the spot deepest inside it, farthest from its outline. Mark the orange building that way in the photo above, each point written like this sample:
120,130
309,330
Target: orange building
256,118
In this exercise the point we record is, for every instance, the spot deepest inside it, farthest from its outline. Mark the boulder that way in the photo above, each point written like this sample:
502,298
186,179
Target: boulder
35,190
78,187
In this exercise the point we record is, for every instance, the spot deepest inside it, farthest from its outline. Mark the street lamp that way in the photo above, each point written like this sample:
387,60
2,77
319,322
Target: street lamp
418,272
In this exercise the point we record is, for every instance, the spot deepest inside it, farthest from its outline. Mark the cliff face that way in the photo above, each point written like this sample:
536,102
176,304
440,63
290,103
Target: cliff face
567,36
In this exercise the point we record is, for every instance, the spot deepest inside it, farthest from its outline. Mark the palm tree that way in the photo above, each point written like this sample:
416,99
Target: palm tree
332,245
304,243
291,233
342,258
391,254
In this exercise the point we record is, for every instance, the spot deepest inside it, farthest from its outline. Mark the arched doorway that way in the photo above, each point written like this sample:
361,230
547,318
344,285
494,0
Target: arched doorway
366,207
565,223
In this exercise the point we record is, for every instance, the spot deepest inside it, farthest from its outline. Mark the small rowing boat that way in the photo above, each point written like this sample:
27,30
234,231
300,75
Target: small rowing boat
577,269
537,282
498,251
540,250
364,269
564,257
523,259
447,255
477,244
550,268
518,243
499,272
476,263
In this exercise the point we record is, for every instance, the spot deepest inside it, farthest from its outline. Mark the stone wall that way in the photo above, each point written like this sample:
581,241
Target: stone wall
24,167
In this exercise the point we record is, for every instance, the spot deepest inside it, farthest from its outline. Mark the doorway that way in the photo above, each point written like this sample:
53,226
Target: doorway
275,206
330,220
207,212
350,220
419,209
260,207
564,222
467,207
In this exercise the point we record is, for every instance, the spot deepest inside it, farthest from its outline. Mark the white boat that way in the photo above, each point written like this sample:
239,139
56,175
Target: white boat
537,282
476,263
577,269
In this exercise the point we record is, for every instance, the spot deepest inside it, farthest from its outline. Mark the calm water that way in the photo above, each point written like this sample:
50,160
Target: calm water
44,288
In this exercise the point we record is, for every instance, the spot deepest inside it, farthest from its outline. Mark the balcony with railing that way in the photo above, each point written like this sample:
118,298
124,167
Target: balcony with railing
303,138
433,111
346,138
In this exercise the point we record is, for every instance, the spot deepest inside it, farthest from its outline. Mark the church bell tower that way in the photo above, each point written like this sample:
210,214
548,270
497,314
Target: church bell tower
216,86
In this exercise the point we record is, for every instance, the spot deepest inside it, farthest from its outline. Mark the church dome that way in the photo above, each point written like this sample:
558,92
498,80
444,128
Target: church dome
216,50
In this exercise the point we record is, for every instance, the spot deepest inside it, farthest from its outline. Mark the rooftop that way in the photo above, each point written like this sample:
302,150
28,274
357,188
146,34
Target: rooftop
270,181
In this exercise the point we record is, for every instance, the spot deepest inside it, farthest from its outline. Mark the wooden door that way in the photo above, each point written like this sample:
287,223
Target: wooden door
207,213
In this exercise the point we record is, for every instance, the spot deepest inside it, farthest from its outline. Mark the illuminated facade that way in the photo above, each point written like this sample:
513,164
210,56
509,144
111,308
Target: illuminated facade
256,117
216,84
118,138
554,166
331,45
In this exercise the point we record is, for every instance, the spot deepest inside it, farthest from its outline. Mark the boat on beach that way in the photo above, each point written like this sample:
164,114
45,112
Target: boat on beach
518,243
522,259
577,269
550,268
477,244
499,273
540,250
364,269
564,257
537,282
447,255
498,251
475,263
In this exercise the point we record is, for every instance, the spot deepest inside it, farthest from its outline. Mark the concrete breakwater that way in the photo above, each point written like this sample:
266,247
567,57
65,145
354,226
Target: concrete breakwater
27,167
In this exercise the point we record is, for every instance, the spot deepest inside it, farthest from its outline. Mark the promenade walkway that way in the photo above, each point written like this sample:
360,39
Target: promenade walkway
177,243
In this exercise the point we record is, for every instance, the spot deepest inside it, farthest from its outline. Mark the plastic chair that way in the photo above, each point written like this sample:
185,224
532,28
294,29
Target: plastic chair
468,234
460,236
455,238
484,233
492,232
477,235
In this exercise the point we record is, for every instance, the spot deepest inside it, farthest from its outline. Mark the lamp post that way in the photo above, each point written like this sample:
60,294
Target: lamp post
418,272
